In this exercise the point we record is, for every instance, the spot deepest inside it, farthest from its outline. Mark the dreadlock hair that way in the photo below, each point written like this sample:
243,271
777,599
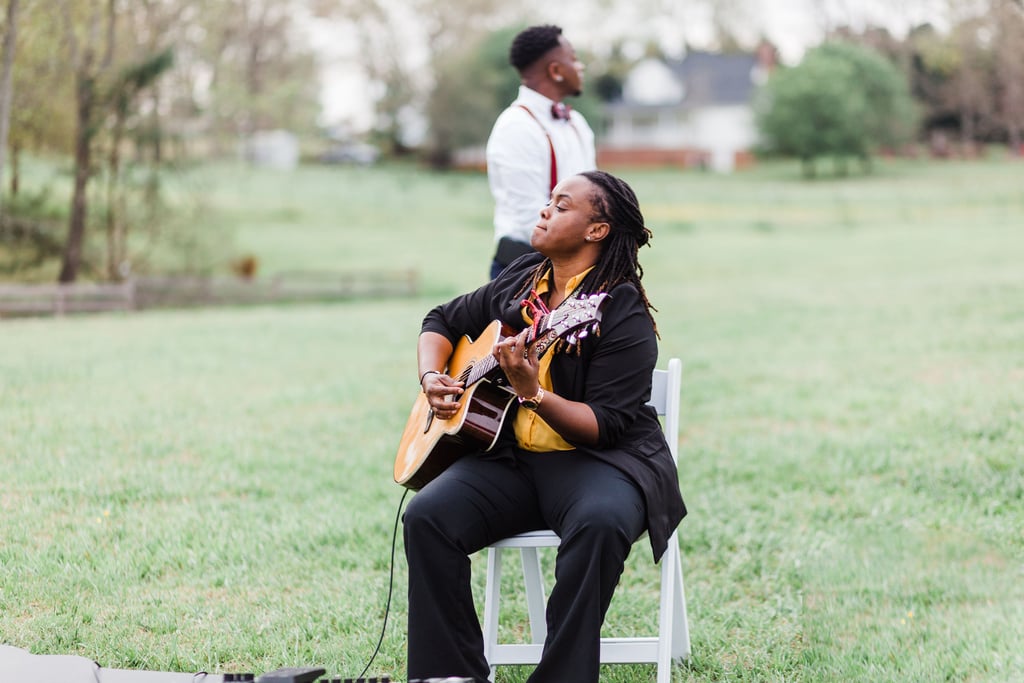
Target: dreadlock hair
531,44
614,203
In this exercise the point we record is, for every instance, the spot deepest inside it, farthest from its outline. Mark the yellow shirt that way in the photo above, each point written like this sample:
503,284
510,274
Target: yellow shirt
532,432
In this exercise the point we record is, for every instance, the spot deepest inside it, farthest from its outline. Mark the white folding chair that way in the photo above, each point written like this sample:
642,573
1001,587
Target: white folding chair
673,639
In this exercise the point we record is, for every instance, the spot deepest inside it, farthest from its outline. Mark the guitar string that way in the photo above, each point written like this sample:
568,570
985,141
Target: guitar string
476,371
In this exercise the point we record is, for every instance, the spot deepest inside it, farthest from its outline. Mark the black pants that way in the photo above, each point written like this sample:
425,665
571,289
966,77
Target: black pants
597,511
496,268
508,250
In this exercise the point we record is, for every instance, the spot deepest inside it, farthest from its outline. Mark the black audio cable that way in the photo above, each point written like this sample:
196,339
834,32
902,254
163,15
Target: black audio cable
391,584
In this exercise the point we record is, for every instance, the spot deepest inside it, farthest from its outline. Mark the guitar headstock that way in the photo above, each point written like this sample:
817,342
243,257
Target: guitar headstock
574,319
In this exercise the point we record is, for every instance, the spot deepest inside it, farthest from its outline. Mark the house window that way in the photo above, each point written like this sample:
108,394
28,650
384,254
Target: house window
645,122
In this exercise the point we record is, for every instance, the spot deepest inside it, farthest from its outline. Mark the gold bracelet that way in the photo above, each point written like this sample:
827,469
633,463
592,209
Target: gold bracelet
534,402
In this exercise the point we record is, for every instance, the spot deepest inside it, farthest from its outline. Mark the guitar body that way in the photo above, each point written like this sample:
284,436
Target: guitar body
429,445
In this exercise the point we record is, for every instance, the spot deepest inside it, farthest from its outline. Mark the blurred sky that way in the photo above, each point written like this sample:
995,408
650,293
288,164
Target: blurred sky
592,25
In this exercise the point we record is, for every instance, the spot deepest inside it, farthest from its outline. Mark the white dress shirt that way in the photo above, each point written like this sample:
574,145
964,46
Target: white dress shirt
519,160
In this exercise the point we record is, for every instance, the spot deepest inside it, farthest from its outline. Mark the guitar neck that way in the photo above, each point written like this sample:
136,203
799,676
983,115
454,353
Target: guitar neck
478,371
487,365
573,321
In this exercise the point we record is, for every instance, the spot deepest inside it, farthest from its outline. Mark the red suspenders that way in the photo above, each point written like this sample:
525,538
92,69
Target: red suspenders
551,145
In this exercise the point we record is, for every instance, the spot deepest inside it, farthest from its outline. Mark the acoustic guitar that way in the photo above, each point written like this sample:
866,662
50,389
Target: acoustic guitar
430,444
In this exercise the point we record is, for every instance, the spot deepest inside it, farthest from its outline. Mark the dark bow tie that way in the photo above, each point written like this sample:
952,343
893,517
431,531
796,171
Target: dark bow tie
560,110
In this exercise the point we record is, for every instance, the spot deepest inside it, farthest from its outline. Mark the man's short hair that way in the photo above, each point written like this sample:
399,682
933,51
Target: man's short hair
531,44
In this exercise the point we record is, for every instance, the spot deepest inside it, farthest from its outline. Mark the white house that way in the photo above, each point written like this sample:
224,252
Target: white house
694,110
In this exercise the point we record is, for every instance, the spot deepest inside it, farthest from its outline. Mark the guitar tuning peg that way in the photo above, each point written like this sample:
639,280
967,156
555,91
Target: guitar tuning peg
582,334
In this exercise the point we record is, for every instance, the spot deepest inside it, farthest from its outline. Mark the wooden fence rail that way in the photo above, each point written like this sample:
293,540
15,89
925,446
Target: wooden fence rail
58,299
183,292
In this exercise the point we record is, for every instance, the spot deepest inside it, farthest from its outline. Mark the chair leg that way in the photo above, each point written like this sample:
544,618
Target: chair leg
673,639
666,620
673,628
681,628
492,601
536,598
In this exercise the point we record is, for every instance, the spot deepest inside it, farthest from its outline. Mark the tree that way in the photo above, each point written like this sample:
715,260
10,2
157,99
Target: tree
891,116
99,81
841,101
971,88
124,92
608,75
257,72
472,86
89,67
32,226
41,119
1009,71
108,77
10,35
931,64
381,56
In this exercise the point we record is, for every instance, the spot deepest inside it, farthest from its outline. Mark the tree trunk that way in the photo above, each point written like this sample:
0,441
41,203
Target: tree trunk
157,132
114,218
5,83
87,83
15,170
79,201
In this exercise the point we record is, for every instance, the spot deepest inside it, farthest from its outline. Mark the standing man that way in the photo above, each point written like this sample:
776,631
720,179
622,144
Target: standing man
537,141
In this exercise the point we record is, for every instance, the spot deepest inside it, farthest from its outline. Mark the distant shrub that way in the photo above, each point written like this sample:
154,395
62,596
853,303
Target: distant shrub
842,100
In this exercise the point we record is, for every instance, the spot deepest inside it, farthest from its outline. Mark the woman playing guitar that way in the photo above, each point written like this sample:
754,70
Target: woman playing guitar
580,453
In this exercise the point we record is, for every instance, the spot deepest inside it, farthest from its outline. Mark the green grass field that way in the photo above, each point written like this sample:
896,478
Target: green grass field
211,490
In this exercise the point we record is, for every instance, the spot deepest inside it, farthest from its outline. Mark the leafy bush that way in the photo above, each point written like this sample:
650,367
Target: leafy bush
31,229
842,100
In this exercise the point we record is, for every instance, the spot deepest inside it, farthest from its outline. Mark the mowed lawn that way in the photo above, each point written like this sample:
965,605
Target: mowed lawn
211,490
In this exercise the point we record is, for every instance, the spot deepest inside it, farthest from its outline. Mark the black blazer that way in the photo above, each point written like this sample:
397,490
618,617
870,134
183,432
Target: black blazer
611,374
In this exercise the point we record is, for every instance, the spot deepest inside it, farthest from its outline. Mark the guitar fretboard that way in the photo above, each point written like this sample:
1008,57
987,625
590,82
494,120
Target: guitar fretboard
573,317
484,366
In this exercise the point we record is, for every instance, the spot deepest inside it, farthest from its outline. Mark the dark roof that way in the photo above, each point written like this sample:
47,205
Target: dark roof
708,78
712,78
